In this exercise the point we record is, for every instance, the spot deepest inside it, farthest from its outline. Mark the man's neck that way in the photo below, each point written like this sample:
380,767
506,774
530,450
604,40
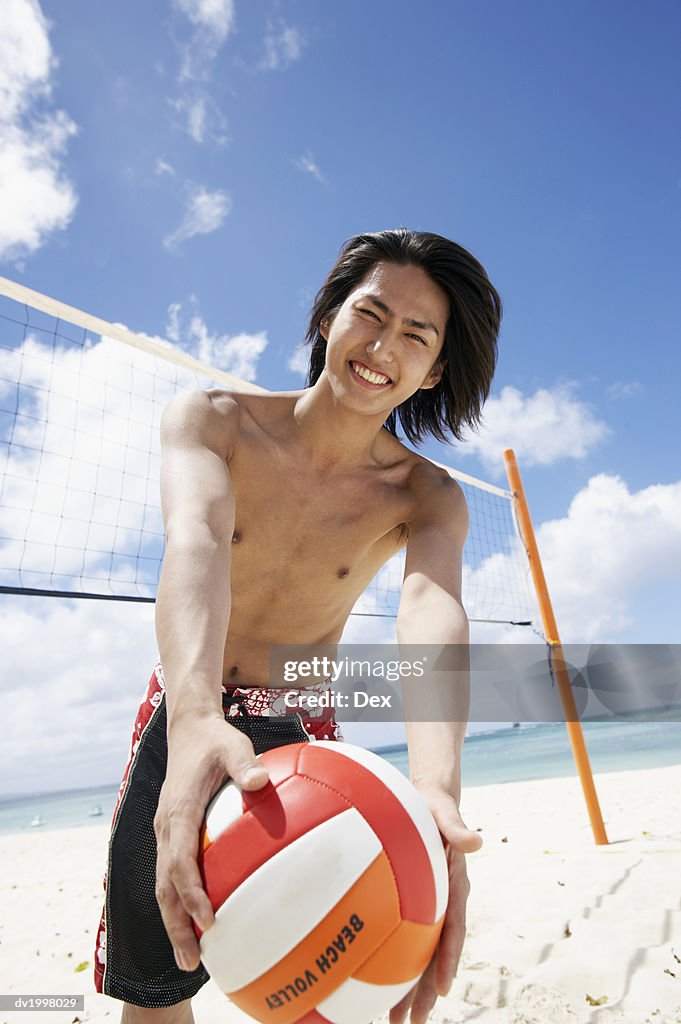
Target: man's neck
331,436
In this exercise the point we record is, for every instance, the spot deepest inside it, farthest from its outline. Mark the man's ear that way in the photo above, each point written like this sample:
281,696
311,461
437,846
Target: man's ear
435,375
326,323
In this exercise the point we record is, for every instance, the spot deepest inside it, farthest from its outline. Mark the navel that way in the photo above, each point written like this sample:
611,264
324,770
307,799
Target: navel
233,670
236,536
343,572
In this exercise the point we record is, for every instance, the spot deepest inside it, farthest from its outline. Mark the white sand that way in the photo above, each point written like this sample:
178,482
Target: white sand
552,918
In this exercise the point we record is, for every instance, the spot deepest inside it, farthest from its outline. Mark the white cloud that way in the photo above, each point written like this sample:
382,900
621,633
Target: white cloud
623,389
36,197
237,354
611,544
82,482
80,495
196,119
495,586
213,20
299,361
215,16
542,428
173,325
604,561
307,164
201,118
306,297
205,212
610,547
163,167
27,59
101,655
283,45
83,464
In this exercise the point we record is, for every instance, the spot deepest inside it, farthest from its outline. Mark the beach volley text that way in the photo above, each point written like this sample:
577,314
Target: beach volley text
323,963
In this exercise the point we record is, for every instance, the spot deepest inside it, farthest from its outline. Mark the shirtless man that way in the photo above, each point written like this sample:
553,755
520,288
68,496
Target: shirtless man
279,508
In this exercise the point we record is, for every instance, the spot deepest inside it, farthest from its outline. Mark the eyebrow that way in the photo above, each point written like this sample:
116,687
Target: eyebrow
406,320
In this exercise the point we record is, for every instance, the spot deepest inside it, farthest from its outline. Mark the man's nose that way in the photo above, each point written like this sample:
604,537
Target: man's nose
382,348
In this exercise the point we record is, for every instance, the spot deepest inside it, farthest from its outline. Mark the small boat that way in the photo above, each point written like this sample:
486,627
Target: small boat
95,811
37,821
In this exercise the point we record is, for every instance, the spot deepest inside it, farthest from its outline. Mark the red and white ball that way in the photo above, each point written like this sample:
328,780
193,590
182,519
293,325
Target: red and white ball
329,887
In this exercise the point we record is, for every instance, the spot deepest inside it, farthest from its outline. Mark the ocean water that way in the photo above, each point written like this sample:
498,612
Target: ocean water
70,809
544,752
505,755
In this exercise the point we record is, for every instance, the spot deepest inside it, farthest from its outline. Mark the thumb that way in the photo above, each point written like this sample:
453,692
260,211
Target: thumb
463,840
453,828
457,835
245,769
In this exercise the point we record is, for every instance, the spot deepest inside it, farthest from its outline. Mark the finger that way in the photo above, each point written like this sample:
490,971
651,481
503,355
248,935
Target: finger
399,1012
425,996
183,873
449,952
179,890
178,925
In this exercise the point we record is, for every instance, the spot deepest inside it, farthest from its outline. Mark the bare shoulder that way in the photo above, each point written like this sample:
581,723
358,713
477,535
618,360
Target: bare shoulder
437,499
208,418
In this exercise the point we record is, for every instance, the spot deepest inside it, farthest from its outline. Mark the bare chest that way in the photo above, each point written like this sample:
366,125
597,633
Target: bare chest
306,544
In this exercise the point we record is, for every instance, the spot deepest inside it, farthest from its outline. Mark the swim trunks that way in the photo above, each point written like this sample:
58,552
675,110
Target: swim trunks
134,958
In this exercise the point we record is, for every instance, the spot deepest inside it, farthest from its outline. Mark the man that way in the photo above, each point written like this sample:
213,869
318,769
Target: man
279,509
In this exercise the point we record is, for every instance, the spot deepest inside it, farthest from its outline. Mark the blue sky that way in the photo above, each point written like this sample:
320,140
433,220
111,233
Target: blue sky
209,158
539,136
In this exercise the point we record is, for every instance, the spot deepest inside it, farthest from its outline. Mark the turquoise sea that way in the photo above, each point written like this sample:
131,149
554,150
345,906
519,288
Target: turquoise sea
505,755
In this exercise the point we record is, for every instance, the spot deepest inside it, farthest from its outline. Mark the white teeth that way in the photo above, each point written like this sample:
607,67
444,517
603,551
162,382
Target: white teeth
373,378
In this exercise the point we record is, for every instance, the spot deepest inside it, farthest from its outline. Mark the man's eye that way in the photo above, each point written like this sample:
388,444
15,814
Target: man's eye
370,312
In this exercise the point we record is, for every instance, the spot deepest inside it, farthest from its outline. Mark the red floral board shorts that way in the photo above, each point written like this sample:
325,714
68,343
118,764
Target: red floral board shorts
134,958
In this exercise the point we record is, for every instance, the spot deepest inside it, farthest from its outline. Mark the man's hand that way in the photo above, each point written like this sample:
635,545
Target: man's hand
437,978
202,753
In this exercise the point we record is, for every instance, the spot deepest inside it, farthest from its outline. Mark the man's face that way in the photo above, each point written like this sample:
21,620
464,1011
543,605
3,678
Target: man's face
384,343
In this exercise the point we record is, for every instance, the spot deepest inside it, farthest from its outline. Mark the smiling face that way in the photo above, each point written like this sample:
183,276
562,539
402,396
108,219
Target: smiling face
385,340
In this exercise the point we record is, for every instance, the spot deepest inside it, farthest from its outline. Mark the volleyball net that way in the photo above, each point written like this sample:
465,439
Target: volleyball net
80,406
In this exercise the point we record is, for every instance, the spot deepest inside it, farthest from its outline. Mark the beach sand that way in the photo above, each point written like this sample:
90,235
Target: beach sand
553,921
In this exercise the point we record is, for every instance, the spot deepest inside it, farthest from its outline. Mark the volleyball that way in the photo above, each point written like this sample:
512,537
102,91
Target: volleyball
329,886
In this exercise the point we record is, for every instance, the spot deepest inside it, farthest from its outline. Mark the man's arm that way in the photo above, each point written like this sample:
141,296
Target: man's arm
193,603
431,612
198,433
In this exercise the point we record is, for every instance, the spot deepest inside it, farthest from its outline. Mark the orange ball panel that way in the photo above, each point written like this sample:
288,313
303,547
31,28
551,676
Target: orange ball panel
373,899
405,954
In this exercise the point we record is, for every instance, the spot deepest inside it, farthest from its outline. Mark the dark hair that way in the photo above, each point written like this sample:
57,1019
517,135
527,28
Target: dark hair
470,344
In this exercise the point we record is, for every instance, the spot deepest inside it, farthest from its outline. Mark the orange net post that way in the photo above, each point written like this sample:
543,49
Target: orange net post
572,722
